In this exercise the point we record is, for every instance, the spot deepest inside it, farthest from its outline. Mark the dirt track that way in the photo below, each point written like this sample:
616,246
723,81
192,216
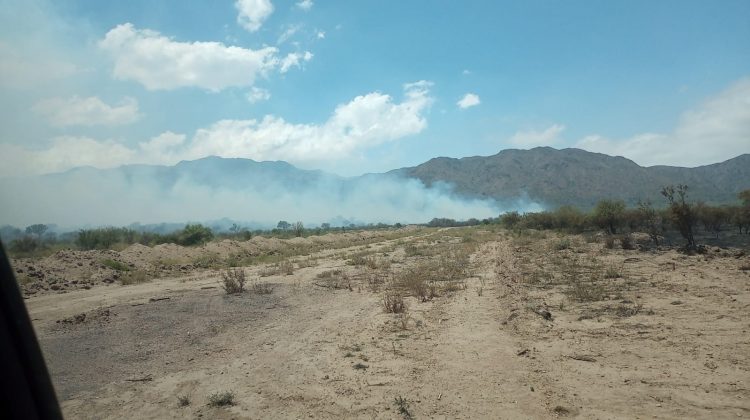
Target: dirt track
667,339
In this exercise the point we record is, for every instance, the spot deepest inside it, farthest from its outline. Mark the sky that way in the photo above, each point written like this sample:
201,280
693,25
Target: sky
352,87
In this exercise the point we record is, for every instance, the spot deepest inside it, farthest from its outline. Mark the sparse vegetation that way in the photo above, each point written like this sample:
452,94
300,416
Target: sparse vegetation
221,399
183,401
134,277
262,288
393,302
402,405
115,265
233,281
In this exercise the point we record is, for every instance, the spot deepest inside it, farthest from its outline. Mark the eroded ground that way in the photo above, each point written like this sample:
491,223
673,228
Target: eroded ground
498,325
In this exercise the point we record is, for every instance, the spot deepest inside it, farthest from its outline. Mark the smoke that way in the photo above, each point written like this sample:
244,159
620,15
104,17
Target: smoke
217,189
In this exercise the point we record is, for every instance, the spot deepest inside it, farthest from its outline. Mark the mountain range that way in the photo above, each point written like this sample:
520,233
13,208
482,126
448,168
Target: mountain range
579,178
262,193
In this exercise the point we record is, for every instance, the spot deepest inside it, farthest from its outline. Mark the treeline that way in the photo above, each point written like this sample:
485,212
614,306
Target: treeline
614,217
36,238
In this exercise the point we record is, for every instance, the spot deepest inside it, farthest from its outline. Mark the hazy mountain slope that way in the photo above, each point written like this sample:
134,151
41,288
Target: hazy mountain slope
580,178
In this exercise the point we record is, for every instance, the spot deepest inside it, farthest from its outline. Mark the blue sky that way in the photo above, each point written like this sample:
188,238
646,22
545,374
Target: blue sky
367,86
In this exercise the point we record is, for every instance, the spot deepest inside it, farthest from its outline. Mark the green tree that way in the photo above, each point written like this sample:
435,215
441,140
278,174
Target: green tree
36,230
283,225
608,215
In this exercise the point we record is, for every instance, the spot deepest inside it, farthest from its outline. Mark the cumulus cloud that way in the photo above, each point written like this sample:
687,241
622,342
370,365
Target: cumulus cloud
364,122
257,94
716,130
305,5
321,34
160,63
469,100
532,138
252,13
87,111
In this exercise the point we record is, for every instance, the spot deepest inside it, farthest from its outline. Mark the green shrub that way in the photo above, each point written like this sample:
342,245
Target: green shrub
195,234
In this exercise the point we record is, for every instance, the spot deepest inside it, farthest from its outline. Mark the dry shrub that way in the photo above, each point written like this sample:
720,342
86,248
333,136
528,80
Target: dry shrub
612,272
334,279
394,303
587,291
285,267
262,288
221,399
627,242
134,277
233,281
609,242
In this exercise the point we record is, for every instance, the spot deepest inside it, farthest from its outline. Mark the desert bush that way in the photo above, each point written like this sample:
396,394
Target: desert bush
586,291
262,288
208,261
183,401
393,302
609,242
221,399
627,242
134,277
561,244
334,279
612,272
233,281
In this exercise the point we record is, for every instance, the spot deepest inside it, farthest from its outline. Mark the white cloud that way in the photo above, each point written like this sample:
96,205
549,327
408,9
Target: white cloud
532,138
88,111
293,60
364,122
321,34
288,33
158,62
252,13
466,72
469,100
717,130
305,5
257,94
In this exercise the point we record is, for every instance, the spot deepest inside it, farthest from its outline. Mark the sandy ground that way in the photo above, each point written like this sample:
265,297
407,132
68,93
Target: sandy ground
665,336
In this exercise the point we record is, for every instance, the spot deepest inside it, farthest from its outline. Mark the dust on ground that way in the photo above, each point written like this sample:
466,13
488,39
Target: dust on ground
509,325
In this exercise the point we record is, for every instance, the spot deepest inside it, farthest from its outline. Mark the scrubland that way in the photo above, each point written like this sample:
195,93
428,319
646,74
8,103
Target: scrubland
471,322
